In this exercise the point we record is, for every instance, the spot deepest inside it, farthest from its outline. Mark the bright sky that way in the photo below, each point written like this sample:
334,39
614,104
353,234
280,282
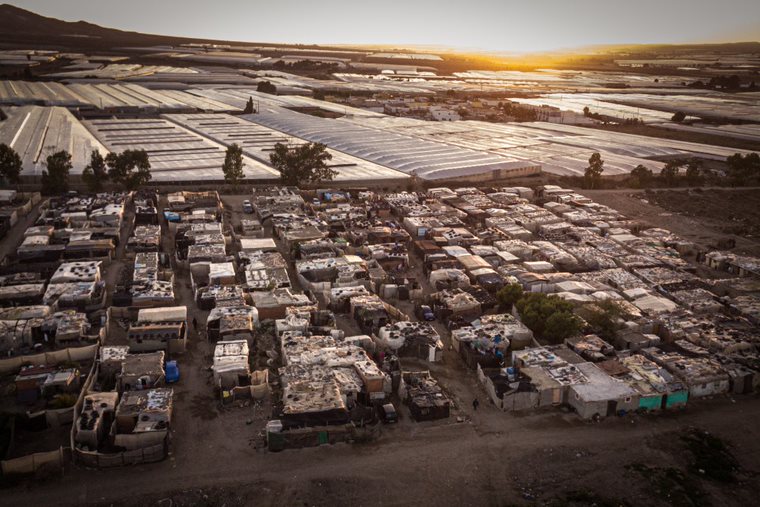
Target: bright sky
494,25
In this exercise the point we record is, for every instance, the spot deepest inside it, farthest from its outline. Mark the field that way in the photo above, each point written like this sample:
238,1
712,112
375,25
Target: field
737,211
707,217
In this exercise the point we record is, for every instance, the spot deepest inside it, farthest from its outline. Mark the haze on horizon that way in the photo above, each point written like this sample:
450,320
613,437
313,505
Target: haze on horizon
503,26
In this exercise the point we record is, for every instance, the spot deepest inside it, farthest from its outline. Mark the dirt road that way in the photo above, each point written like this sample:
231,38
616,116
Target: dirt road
496,459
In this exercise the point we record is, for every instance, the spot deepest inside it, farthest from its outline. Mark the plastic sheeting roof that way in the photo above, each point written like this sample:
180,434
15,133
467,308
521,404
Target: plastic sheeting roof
258,142
412,155
176,154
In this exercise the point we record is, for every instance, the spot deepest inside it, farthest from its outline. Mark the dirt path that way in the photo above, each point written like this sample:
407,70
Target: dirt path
497,459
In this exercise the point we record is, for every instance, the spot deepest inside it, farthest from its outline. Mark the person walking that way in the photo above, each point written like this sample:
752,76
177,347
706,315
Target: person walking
475,404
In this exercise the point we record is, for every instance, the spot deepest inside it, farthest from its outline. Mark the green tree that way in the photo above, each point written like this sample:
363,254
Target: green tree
669,173
55,178
536,310
694,172
10,165
129,169
560,326
266,87
95,174
593,175
603,318
678,117
303,164
233,165
641,176
509,295
248,106
743,169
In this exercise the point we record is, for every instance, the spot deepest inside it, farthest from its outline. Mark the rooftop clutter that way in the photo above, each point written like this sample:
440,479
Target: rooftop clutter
324,378
418,339
643,341
589,255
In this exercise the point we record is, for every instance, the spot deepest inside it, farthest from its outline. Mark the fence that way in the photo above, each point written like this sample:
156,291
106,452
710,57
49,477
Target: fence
13,364
489,387
92,459
59,417
31,463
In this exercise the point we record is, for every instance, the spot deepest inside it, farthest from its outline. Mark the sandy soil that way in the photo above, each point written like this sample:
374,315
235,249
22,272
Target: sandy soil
704,217
736,211
495,459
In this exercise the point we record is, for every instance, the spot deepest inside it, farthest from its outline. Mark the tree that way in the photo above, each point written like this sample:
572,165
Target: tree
233,165
55,179
560,326
266,87
303,164
10,165
603,318
593,174
248,106
94,174
641,176
536,310
678,117
130,169
694,172
732,82
509,295
743,169
669,173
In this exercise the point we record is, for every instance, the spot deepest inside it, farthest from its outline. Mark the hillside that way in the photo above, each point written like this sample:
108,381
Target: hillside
23,29
30,30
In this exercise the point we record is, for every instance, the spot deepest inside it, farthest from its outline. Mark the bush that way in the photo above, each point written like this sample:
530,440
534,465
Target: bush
509,295
549,317
603,319
266,87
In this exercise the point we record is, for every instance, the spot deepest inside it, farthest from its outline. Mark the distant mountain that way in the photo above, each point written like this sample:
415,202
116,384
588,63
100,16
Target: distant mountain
30,30
15,20
23,29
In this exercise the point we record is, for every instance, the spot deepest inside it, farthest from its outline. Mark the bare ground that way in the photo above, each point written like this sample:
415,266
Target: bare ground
705,217
496,459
